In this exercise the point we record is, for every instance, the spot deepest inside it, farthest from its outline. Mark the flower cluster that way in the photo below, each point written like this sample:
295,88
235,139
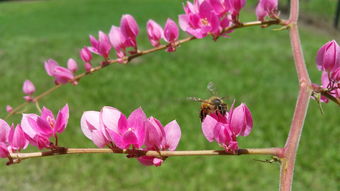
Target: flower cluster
110,127
328,61
225,128
206,17
35,130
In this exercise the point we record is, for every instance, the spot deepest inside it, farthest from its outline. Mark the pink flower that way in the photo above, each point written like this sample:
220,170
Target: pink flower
159,139
85,55
121,131
101,46
9,109
217,128
171,34
11,139
61,75
91,128
225,128
328,57
236,6
202,23
17,139
130,30
266,8
28,87
72,65
40,128
155,32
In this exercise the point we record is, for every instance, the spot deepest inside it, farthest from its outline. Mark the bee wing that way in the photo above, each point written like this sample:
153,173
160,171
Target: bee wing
195,99
212,89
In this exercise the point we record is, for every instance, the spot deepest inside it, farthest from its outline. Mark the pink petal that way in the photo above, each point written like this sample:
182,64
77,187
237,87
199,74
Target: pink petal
50,64
27,126
111,118
115,138
130,138
146,160
4,153
47,114
260,12
17,139
41,126
173,135
154,133
4,131
136,121
208,127
98,138
89,122
62,119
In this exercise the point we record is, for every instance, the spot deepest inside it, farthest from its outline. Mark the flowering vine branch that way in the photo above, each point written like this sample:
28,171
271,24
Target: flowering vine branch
139,53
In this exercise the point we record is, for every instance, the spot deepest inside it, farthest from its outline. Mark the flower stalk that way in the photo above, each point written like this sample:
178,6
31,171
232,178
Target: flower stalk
66,151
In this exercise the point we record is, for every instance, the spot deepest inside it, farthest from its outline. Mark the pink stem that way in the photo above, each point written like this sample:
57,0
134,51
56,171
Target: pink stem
292,143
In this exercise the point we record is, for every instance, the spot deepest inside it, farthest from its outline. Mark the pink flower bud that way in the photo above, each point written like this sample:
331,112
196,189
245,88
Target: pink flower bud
130,30
328,57
85,55
88,67
28,98
9,109
129,26
171,34
155,32
28,88
72,65
61,75
266,8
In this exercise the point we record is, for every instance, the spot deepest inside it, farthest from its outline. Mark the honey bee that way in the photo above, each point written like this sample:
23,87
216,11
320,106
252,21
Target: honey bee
214,104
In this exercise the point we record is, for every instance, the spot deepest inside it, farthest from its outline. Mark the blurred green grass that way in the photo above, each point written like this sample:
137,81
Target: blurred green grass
254,66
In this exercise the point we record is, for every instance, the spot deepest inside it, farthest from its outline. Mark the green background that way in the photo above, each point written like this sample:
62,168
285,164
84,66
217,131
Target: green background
254,66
